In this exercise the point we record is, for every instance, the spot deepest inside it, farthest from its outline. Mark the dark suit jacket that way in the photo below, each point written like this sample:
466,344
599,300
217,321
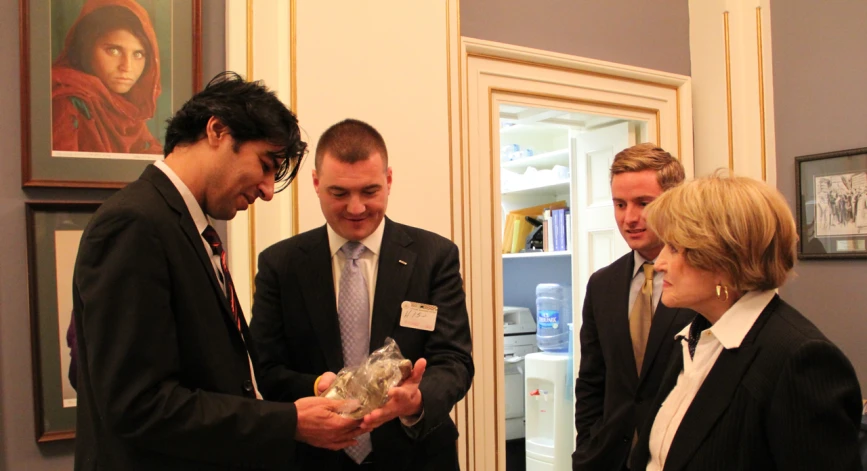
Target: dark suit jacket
164,378
611,399
297,334
787,399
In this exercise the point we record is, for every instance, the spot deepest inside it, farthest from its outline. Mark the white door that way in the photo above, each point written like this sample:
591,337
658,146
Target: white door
596,237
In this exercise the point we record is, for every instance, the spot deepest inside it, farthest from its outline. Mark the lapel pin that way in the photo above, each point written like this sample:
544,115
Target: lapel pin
401,262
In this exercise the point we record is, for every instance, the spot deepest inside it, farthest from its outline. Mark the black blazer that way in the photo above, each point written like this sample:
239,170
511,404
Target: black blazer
296,330
787,399
164,380
611,399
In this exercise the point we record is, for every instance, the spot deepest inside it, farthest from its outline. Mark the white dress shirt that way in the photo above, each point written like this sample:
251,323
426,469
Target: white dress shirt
368,260
728,333
201,222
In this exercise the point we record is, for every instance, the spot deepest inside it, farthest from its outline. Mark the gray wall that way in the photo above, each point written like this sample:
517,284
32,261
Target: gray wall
820,64
18,448
652,34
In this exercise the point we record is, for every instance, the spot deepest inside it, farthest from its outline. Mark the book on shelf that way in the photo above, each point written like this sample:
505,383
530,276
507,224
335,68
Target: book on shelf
516,228
549,234
559,217
568,229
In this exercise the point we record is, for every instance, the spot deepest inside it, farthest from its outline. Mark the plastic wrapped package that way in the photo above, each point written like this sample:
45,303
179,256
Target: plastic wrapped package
369,382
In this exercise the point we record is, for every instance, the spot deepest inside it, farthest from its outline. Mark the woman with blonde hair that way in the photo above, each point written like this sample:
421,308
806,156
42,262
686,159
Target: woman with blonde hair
755,385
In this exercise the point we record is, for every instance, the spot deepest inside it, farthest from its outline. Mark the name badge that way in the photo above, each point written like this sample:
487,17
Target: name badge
418,316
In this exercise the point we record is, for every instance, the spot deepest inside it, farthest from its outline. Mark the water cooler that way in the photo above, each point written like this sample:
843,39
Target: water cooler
548,409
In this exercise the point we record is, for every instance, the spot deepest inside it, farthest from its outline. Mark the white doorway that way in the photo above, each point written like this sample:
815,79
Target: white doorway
551,158
654,106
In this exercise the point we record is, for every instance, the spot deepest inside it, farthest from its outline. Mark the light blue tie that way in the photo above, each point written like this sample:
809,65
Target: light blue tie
353,308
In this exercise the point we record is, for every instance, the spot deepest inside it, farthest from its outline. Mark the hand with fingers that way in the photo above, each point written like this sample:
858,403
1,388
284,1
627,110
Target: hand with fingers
324,382
321,425
404,400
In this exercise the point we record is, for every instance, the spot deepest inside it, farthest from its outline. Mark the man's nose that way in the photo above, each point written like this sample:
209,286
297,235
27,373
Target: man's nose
633,213
266,190
355,206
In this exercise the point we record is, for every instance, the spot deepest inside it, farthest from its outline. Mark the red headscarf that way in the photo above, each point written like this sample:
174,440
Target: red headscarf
112,122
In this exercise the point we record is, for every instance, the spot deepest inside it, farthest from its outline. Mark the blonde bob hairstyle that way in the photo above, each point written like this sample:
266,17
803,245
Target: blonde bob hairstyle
735,226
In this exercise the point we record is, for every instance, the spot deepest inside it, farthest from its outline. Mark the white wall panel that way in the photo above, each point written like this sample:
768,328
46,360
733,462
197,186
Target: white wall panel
382,62
732,74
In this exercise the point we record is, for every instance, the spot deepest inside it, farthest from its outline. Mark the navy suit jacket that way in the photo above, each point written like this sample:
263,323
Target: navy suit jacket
297,334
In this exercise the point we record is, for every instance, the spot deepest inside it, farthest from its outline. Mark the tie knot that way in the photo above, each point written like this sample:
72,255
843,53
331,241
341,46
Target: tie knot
648,270
213,239
647,287
352,249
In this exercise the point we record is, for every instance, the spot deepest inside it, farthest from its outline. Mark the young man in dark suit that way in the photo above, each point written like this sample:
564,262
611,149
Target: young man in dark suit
306,325
164,354
627,335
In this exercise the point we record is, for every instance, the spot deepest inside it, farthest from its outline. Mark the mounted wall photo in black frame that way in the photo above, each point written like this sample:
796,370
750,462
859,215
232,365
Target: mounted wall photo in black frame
832,204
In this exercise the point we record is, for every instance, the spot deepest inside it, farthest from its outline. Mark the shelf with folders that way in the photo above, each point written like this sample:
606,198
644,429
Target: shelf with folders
536,230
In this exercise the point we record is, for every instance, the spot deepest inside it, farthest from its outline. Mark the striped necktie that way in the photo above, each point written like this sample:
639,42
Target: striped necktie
213,239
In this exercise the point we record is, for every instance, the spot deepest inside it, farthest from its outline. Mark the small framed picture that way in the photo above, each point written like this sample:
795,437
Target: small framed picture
832,204
99,79
54,230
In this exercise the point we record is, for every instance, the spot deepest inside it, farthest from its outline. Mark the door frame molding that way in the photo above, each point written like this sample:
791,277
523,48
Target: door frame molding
486,69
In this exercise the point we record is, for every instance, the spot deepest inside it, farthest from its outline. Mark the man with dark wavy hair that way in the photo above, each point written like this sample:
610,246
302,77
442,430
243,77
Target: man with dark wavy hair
166,378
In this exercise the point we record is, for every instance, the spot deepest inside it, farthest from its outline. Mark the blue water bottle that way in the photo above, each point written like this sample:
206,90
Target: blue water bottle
553,314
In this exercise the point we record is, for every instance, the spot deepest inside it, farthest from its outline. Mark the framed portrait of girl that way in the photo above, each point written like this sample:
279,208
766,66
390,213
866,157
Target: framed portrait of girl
99,80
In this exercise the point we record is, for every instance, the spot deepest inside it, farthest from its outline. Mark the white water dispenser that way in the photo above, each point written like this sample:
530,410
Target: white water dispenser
548,411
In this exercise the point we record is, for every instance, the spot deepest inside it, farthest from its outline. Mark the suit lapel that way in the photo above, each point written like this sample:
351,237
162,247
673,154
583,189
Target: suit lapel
320,301
659,332
619,317
712,399
396,264
185,221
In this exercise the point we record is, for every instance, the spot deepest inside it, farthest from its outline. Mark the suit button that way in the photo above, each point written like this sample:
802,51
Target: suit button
248,386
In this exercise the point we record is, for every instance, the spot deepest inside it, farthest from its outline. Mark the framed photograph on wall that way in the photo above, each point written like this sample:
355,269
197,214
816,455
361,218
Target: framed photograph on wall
99,78
832,204
54,230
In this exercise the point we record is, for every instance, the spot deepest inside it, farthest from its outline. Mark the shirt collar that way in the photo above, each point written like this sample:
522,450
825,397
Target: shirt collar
639,261
193,207
373,242
734,325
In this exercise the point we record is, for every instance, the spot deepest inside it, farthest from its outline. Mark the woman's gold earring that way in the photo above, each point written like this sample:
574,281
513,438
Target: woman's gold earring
719,291
726,291
722,291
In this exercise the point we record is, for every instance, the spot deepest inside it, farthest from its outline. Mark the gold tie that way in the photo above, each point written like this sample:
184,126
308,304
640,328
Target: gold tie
641,315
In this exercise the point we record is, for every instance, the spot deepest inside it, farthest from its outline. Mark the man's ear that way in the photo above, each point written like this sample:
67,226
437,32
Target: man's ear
216,131
315,181
388,179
